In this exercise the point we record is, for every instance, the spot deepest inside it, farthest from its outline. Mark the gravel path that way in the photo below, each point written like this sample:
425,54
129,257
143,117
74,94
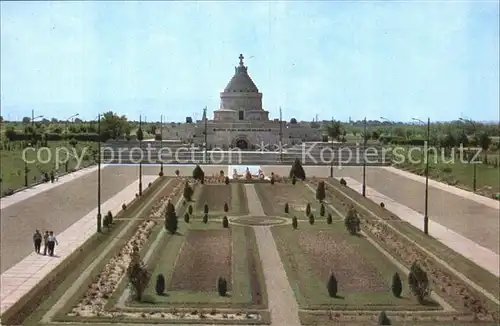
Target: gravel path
281,299
55,209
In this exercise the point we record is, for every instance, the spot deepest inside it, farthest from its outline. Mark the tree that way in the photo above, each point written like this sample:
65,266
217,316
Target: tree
113,126
205,208
26,120
308,209
226,207
418,282
225,222
10,133
297,170
198,173
322,210
160,284
332,286
171,221
352,221
226,180
294,179
320,192
329,219
295,223
186,217
205,218
140,134
484,141
188,192
463,139
334,129
1,119
222,286
383,319
397,285
343,182
287,208
190,210
311,219
138,277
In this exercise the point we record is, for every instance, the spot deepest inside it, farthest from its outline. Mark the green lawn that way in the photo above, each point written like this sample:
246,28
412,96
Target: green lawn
311,292
13,168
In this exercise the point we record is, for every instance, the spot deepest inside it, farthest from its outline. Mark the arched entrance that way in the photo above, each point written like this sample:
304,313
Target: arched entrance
241,143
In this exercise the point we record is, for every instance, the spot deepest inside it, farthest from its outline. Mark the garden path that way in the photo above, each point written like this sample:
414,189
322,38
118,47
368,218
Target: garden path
281,299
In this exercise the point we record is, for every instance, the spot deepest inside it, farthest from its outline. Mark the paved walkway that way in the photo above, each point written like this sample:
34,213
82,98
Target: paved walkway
481,256
21,278
281,299
38,189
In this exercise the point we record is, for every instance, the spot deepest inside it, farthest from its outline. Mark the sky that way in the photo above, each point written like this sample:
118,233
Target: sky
390,59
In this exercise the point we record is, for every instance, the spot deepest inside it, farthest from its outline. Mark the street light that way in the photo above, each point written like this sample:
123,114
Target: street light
67,132
140,162
390,122
281,137
99,138
470,160
365,136
33,118
161,144
331,163
426,207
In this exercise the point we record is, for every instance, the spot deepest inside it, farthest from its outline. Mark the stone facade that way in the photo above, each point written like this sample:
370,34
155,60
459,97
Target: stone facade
241,120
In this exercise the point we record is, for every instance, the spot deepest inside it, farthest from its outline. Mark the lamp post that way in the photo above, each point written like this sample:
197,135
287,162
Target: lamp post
206,121
390,125
141,135
161,144
67,132
331,163
281,136
99,139
470,160
426,205
26,169
365,136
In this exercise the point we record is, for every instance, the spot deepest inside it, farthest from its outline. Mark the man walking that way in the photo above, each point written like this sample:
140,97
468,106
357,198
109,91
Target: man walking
52,241
45,242
37,240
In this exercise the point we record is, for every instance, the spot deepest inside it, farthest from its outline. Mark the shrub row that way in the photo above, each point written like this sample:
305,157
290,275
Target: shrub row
16,136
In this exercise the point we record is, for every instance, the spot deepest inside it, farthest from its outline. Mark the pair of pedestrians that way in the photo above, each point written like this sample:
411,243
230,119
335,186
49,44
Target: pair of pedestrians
49,242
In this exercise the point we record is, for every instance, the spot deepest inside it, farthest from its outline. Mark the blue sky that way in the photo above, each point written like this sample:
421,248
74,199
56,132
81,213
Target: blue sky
342,59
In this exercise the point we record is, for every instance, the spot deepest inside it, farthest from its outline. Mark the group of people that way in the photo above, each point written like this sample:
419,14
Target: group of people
49,242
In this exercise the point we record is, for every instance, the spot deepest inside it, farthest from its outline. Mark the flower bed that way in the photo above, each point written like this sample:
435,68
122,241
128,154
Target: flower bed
456,292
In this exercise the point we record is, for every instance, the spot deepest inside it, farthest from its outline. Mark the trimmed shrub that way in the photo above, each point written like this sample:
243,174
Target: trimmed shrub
295,223
382,205
294,179
222,286
225,222
383,319
397,285
297,170
322,210
352,221
226,207
343,182
124,206
177,172
205,208
308,209
320,191
418,282
272,180
105,222
110,216
190,210
188,192
186,217
160,284
287,208
171,221
329,219
332,286
160,174
226,180
198,174
205,218
311,219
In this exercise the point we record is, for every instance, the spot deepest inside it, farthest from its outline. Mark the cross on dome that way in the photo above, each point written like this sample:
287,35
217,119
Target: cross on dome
241,57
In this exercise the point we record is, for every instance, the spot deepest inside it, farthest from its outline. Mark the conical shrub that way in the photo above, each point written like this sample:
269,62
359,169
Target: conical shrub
295,223
190,209
222,286
308,209
322,210
205,218
225,222
397,285
287,208
332,286
186,217
329,219
311,219
205,209
383,319
226,207
160,284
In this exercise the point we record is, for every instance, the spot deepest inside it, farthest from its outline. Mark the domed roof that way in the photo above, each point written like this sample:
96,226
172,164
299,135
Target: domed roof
241,81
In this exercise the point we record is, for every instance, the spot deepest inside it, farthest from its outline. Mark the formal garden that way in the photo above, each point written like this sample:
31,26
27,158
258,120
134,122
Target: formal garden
193,257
